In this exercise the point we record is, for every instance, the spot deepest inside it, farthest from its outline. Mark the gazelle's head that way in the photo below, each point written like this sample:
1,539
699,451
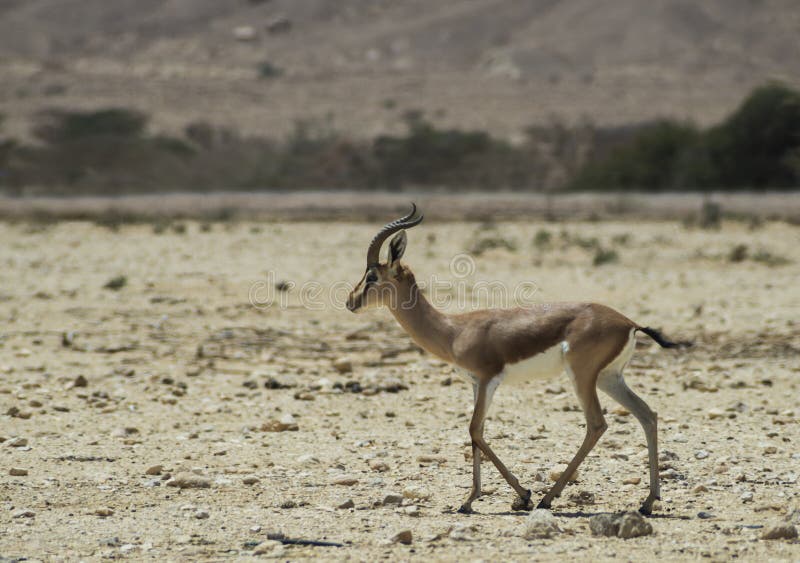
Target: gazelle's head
381,282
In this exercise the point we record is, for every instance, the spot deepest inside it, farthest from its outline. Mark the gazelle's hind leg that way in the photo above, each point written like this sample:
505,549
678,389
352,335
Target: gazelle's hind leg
612,383
595,427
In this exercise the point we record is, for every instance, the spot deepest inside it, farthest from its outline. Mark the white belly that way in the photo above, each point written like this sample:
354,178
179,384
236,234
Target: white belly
544,365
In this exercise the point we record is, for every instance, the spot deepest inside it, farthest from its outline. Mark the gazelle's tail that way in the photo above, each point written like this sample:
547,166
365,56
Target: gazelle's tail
662,340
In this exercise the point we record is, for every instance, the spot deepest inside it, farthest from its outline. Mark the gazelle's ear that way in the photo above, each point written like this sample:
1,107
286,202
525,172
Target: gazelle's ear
397,247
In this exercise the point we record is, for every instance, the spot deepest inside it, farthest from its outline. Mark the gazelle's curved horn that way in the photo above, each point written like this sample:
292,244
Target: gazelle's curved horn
373,252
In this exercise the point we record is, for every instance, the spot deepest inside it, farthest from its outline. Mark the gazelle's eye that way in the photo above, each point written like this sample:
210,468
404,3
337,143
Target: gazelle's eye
371,278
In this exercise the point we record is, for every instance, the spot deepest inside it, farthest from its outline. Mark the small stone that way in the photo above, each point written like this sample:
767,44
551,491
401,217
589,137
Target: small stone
715,413
201,514
104,512
704,515
273,548
410,510
631,480
345,480
23,514
769,450
746,496
415,492
288,504
392,499
343,365
556,472
250,480
633,525
624,525
189,481
307,459
403,537
620,411
255,529
17,442
701,454
582,497
783,531
700,489
154,470
17,472
540,524
378,465
286,423
346,504
80,381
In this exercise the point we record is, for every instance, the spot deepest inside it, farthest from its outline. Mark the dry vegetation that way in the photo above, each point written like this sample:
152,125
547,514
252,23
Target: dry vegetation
132,359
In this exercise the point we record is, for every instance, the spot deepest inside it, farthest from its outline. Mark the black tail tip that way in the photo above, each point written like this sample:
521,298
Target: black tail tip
663,341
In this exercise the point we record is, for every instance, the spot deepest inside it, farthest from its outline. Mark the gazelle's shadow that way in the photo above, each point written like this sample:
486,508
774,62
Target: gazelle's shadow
582,514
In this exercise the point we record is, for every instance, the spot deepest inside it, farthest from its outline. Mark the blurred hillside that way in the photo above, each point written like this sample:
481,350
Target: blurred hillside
257,66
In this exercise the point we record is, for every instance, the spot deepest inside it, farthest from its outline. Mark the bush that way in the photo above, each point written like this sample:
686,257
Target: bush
758,146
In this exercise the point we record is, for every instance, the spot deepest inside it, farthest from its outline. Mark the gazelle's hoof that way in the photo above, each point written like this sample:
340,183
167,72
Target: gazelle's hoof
521,503
465,509
645,510
543,504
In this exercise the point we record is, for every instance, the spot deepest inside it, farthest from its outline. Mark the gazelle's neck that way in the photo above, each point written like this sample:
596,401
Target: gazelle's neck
427,326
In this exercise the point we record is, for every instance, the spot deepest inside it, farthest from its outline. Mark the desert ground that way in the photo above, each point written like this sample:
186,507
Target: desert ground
142,356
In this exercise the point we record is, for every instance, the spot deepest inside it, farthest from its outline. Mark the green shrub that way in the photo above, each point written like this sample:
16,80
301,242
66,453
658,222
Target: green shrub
757,146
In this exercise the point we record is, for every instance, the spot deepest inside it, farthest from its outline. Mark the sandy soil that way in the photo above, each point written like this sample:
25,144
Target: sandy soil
99,385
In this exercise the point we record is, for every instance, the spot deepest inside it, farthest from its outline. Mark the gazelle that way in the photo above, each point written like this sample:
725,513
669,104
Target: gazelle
592,342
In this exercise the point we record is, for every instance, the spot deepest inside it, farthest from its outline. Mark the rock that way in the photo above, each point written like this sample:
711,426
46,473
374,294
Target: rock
17,442
633,525
154,470
80,381
17,472
746,496
769,450
582,497
700,489
540,524
556,471
704,515
201,514
623,525
286,423
343,365
701,454
378,465
244,33
410,510
104,512
404,537
392,499
272,548
632,481
280,24
288,504
715,413
415,492
189,481
463,532
346,504
345,480
23,514
782,531
250,480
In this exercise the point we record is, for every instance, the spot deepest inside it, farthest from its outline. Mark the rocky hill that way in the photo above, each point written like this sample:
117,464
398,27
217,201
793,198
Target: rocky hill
260,65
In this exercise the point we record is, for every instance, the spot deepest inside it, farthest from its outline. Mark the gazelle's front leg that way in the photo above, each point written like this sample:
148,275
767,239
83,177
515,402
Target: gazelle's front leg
466,508
484,391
